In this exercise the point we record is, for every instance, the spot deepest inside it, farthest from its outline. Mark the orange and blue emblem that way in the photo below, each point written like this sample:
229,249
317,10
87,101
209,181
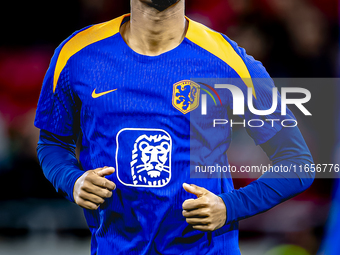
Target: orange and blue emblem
186,96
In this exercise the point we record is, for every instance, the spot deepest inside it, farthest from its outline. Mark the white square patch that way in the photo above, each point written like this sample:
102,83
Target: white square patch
143,157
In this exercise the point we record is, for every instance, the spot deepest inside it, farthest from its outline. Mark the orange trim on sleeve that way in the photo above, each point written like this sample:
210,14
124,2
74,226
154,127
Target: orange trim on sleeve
215,43
84,38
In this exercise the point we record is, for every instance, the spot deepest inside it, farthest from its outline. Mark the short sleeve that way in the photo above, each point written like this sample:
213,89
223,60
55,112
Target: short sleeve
58,111
261,127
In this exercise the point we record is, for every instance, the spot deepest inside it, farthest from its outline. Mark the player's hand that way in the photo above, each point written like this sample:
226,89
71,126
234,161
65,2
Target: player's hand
91,189
206,213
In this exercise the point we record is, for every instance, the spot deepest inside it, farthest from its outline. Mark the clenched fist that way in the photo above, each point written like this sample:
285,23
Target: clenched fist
206,213
91,189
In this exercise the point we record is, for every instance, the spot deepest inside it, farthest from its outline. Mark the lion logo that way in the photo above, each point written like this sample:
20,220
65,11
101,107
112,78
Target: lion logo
185,97
143,157
150,160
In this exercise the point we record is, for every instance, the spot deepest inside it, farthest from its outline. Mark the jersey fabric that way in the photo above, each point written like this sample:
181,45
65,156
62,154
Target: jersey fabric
137,114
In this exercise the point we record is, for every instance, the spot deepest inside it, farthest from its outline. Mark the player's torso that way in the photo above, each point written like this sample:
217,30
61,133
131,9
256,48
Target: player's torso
141,115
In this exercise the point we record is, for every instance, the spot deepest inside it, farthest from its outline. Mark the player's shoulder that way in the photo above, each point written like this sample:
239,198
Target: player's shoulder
211,40
89,35
80,40
227,50
199,33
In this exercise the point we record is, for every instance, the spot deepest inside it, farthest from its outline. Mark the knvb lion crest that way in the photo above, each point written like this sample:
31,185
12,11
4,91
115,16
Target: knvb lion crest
186,95
150,160
143,157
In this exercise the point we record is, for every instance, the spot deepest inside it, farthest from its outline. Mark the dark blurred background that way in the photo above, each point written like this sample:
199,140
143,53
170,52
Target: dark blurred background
292,38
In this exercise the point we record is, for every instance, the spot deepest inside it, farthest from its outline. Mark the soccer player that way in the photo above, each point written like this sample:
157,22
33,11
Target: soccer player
125,84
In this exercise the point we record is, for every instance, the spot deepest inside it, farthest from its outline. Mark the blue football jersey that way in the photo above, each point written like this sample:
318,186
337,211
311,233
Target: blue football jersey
143,116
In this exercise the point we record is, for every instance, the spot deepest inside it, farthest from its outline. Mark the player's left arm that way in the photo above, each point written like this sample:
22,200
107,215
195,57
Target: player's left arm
284,146
287,148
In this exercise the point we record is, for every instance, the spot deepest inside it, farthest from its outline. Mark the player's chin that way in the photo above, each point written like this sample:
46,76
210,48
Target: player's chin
161,5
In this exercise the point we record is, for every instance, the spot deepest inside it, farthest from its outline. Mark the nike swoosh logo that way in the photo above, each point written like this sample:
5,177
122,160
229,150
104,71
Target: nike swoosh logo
95,95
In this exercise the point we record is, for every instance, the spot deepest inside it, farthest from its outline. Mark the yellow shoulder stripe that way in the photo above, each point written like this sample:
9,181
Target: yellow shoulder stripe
215,43
84,38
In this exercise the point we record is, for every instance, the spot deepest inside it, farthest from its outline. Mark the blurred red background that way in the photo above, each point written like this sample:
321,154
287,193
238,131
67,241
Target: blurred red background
293,38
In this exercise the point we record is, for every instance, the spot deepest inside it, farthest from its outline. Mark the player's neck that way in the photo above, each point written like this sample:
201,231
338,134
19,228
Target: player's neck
151,32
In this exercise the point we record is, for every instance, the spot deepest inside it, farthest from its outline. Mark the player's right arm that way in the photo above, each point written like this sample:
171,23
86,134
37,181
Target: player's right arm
57,158
57,117
91,189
